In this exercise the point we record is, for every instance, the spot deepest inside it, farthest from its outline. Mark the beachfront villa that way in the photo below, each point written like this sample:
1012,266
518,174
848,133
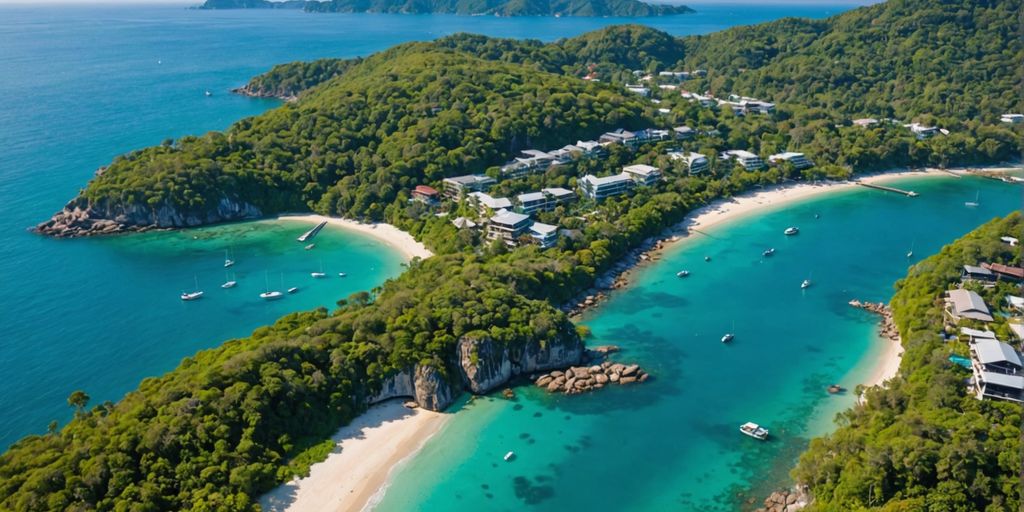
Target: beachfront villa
997,371
1012,118
961,303
508,226
642,174
695,163
544,235
798,160
599,188
485,202
746,159
545,200
460,185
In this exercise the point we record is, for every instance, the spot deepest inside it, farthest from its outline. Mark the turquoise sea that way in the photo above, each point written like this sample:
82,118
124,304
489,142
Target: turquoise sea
80,85
672,443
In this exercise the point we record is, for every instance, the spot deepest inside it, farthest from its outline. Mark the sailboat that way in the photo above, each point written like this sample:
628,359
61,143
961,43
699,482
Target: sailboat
228,283
227,261
729,335
806,284
975,203
910,253
321,274
270,294
193,295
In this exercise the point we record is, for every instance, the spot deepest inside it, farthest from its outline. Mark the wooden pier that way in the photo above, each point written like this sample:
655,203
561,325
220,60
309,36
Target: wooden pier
908,193
308,235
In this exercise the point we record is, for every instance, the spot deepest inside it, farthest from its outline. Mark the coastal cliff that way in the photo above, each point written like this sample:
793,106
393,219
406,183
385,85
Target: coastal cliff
82,218
482,365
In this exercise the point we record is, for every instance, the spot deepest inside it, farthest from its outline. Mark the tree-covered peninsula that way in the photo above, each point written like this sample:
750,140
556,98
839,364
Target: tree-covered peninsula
624,8
363,134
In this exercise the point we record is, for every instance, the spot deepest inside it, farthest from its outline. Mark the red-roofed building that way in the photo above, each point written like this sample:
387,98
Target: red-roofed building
425,194
1005,271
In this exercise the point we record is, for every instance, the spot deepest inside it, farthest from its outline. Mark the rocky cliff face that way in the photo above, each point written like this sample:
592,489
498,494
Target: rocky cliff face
482,365
81,218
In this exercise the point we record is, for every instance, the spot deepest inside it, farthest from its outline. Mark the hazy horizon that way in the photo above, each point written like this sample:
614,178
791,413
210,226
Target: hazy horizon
197,2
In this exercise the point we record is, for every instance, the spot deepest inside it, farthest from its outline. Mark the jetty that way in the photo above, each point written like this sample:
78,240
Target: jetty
308,235
908,193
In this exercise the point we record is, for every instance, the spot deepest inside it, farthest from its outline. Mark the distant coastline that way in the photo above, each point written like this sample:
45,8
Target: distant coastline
552,8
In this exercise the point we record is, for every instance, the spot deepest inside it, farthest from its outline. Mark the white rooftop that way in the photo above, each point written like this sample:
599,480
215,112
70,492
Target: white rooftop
607,180
739,153
641,169
993,351
976,333
543,229
509,218
558,191
530,196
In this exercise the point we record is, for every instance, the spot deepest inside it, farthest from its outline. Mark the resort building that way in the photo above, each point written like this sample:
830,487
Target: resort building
599,188
1012,118
652,135
619,136
798,160
485,202
975,335
558,195
1004,272
997,371
675,75
962,303
695,163
684,132
923,132
545,200
545,235
742,105
426,195
565,154
589,147
705,101
865,122
463,223
530,162
508,226
461,185
1015,302
645,175
748,160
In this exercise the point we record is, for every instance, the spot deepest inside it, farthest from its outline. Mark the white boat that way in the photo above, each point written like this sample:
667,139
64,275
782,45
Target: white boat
342,274
727,338
228,261
271,295
768,252
805,284
318,275
754,430
975,203
229,284
293,289
509,456
193,295
310,246
208,93
910,254
790,231
683,273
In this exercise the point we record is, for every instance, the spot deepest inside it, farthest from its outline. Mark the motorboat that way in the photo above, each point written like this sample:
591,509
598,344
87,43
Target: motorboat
509,456
191,295
805,284
229,284
271,295
768,252
754,430
683,273
293,289
727,338
790,231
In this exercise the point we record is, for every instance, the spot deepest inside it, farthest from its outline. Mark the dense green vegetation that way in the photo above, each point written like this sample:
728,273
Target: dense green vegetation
924,443
496,7
232,422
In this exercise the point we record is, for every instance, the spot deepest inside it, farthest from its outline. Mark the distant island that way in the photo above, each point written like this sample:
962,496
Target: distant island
630,8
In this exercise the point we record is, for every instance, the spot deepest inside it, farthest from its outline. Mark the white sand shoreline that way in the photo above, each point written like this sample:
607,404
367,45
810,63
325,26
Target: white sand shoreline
392,236
368,451
887,363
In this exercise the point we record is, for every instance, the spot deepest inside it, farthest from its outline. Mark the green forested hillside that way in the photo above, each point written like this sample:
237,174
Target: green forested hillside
923,443
496,7
953,59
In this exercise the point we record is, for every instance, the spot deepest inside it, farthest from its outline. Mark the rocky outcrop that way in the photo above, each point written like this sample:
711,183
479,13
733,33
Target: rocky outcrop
788,500
424,384
82,218
486,364
580,379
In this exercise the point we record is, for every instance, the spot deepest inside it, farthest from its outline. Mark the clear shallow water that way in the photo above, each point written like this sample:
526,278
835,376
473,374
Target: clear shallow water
80,85
672,443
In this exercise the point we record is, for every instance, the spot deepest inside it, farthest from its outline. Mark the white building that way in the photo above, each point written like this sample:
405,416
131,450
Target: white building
642,174
997,371
639,89
460,185
485,202
545,200
748,160
865,122
599,188
695,163
1012,118
508,226
545,235
923,132
798,160
531,161
961,303
705,101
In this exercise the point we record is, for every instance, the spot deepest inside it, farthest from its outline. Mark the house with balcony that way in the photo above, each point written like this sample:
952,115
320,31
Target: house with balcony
619,136
642,174
998,372
961,304
684,132
544,235
485,203
694,163
600,188
923,132
530,161
798,160
746,159
508,226
459,186
426,195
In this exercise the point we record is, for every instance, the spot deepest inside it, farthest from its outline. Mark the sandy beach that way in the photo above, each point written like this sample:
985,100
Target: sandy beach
888,362
368,450
390,235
